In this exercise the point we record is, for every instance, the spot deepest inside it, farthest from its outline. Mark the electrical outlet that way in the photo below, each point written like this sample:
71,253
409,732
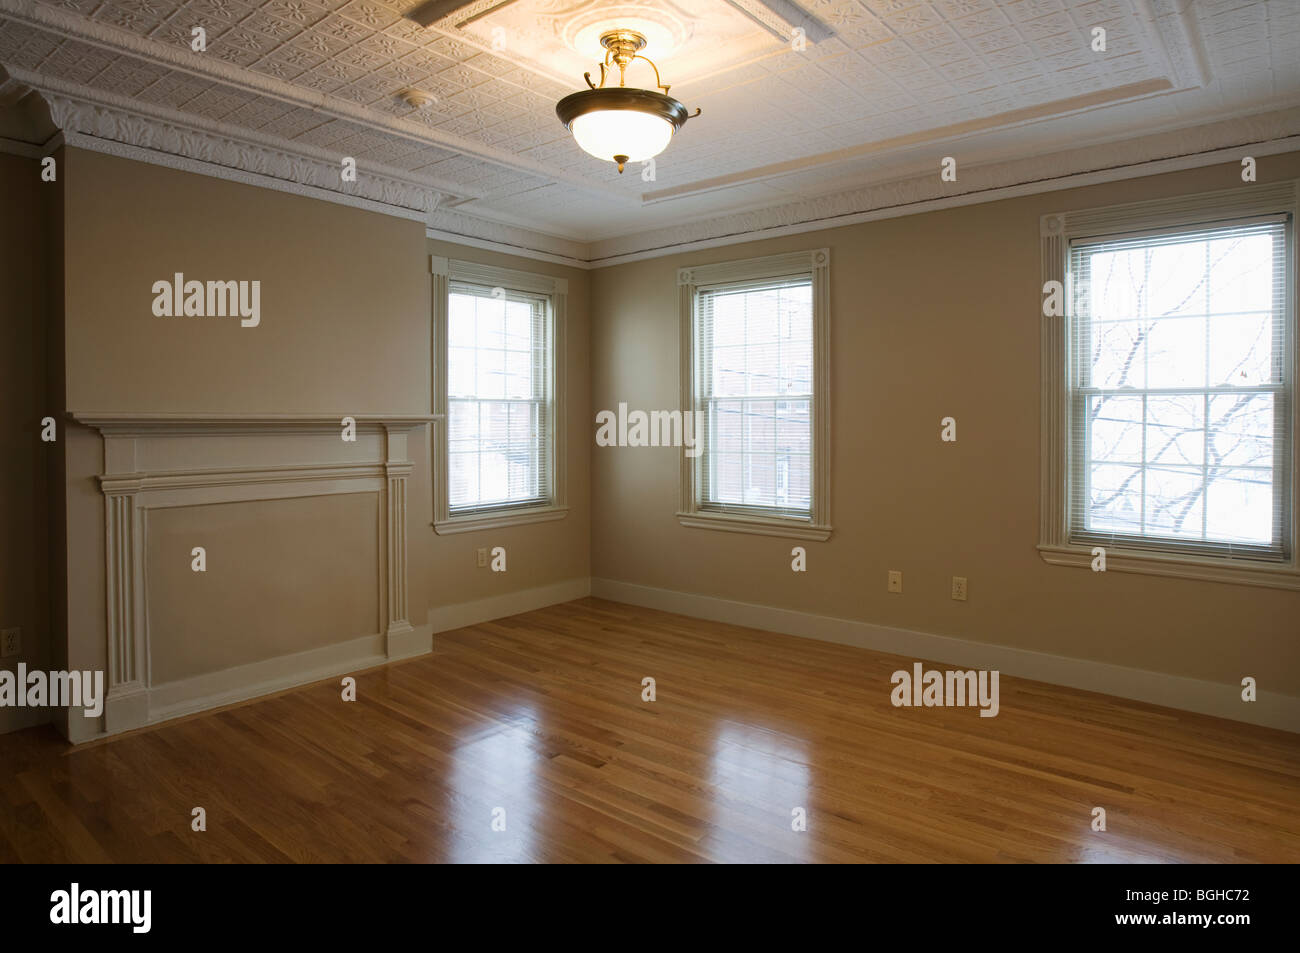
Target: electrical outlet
895,581
482,556
959,588
11,642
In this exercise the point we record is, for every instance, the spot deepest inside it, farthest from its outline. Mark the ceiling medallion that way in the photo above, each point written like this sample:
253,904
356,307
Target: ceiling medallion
622,123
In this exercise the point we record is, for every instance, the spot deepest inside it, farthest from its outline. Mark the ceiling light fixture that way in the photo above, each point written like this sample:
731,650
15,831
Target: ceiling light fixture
622,123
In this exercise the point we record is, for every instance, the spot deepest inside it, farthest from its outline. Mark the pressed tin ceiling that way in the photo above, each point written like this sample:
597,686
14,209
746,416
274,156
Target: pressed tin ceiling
882,90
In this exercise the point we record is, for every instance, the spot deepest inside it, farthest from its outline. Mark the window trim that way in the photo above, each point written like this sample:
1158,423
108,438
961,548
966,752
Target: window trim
444,272
1057,230
815,264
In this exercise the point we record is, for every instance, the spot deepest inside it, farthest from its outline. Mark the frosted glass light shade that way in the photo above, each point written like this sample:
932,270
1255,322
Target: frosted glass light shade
621,124
606,133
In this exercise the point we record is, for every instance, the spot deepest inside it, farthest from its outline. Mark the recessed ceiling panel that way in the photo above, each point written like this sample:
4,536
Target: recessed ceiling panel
562,37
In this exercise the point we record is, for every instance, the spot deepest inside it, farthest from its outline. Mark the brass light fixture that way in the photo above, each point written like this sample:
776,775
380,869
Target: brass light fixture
622,123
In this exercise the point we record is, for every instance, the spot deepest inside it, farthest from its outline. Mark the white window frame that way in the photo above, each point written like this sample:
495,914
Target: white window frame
445,271
814,264
1057,230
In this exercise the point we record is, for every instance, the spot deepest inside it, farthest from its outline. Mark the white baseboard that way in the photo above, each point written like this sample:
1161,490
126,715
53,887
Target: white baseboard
460,614
1272,709
242,682
409,641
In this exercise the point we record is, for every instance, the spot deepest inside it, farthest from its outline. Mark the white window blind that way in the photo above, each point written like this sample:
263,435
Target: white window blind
1181,390
754,385
499,399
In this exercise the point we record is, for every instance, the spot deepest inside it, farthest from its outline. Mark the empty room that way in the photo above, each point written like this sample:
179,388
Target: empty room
652,432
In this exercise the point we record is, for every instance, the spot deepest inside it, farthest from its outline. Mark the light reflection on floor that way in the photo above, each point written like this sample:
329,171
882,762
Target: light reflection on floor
761,777
500,765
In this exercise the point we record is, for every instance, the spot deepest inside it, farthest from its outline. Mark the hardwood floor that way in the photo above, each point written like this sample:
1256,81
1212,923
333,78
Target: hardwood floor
541,715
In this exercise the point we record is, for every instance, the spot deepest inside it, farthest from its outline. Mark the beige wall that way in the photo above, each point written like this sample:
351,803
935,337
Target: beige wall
24,579
344,298
345,329
538,554
932,315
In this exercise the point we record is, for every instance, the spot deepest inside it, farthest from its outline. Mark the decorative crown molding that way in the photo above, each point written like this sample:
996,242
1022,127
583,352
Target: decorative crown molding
104,122
11,90
457,226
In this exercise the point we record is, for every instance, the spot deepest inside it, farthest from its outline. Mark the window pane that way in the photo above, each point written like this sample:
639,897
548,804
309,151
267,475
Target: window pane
1115,498
799,482
1173,501
462,475
461,372
727,418
518,374
490,376
1241,505
1176,352
1241,349
1242,279
725,469
1242,432
760,479
1117,353
461,330
794,426
760,426
1176,430
1175,278
1116,424
729,371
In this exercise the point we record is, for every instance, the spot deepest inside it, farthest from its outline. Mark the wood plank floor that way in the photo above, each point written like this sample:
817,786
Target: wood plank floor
541,715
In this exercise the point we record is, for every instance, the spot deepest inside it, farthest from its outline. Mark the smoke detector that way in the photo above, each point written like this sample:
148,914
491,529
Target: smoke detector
417,99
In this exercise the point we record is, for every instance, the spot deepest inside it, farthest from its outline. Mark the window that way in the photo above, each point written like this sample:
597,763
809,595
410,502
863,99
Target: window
1178,367
499,461
754,378
755,375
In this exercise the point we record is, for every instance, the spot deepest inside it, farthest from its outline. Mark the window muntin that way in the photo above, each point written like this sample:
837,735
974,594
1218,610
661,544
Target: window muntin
1180,390
500,387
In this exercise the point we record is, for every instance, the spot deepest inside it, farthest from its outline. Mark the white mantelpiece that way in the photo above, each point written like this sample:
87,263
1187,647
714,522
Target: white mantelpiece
154,461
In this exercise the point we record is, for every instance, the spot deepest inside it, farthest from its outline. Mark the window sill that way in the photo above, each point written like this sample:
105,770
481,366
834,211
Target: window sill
1242,572
470,524
756,525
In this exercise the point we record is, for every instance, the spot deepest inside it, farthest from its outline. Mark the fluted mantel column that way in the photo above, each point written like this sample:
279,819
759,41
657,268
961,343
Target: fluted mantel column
403,640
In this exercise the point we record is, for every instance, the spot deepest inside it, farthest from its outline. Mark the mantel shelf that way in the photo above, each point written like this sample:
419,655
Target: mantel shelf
136,422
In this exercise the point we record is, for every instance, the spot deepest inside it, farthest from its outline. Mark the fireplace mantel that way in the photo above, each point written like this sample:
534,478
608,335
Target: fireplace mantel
155,461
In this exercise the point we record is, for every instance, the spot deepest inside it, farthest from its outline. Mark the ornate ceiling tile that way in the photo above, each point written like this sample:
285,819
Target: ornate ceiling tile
880,79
